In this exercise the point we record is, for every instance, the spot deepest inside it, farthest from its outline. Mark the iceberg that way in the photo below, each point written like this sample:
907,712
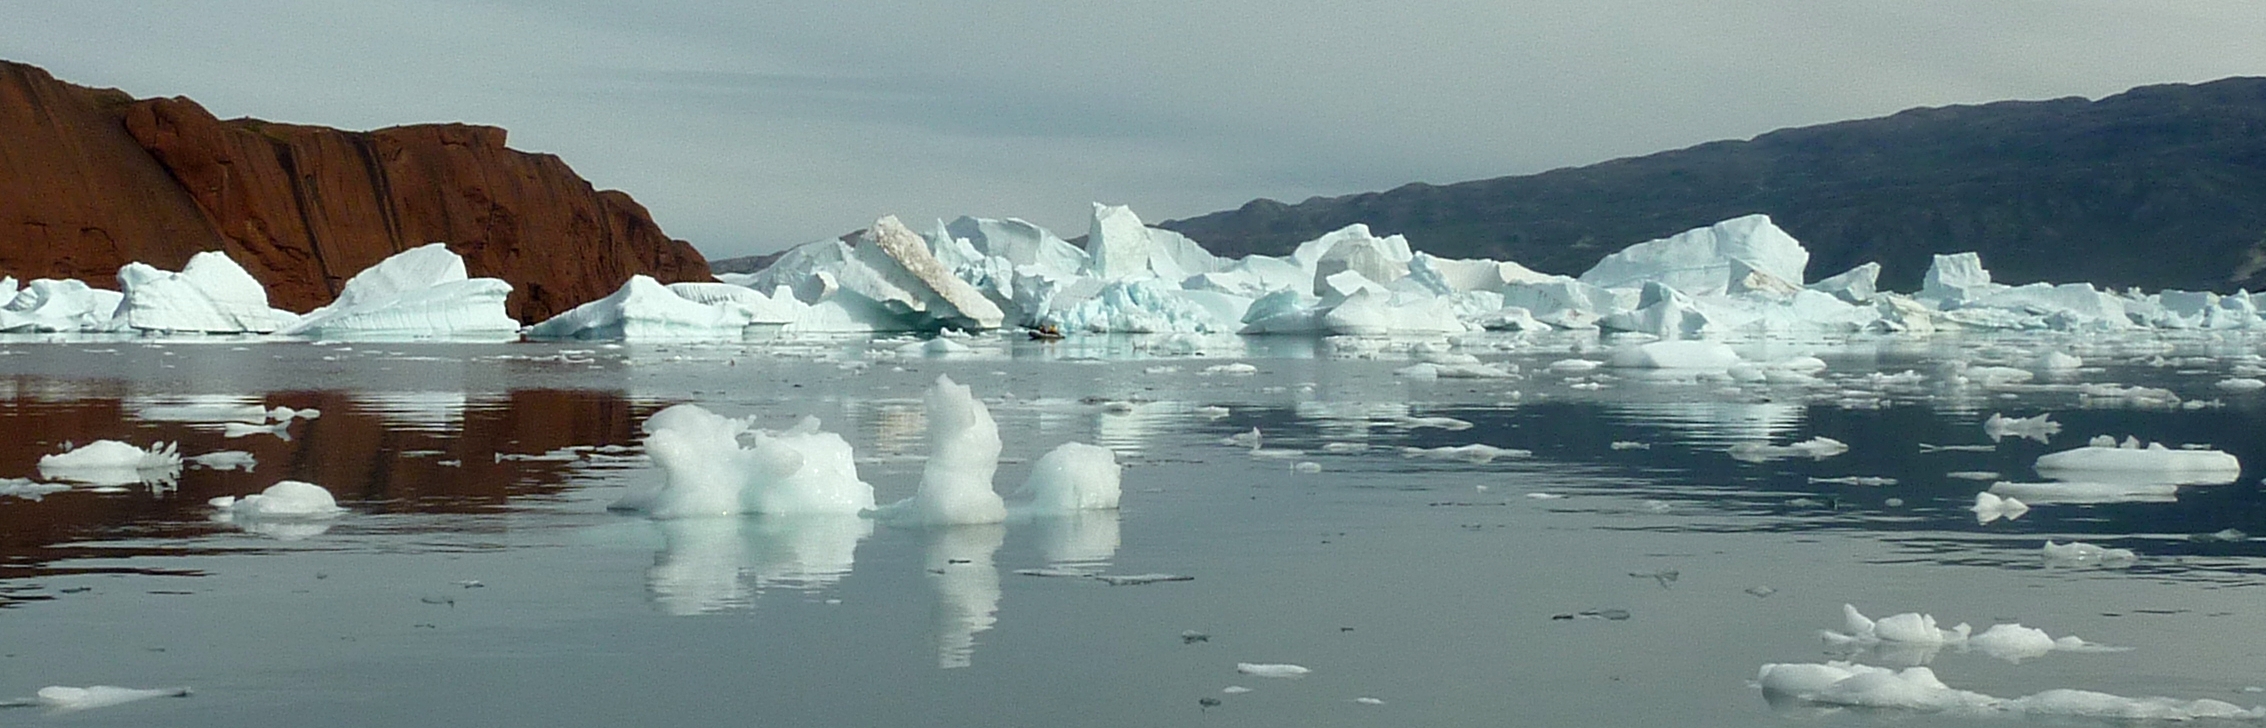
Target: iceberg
1740,254
419,292
1072,477
211,294
50,305
900,273
1119,246
1918,688
964,450
284,500
2132,461
110,462
643,309
707,472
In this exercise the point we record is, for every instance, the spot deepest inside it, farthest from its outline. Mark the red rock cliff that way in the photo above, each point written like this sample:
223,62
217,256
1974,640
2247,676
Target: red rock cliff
91,179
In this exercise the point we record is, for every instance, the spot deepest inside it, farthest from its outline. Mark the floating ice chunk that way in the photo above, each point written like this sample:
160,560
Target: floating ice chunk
1235,368
1953,279
1722,258
113,454
1368,701
2040,428
212,294
1815,448
27,490
1863,480
1630,445
2242,384
239,429
1693,355
939,346
65,698
1444,423
2154,463
2079,552
1072,477
1266,669
1917,688
1991,506
2084,492
643,309
2057,361
1472,453
422,291
964,450
52,305
286,499
225,460
1140,579
706,472
1574,366
1856,285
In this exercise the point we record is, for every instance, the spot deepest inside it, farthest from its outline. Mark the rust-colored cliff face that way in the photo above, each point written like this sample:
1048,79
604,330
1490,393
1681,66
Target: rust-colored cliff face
92,179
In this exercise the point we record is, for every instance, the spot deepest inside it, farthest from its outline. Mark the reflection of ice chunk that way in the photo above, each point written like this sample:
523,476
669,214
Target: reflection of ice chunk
643,309
959,563
1472,453
1072,477
2153,462
706,562
1079,540
1272,669
422,291
2040,428
1696,355
1815,448
705,470
1991,506
963,455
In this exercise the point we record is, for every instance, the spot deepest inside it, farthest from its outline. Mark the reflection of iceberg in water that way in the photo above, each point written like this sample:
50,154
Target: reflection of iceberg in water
715,564
1130,427
1082,540
197,409
967,588
1716,421
423,411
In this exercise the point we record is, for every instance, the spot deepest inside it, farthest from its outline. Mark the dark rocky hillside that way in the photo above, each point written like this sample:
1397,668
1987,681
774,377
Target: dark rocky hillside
2158,187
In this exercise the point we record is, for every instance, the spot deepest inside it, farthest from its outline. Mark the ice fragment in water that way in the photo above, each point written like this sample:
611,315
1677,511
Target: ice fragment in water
225,460
2075,492
1472,453
64,698
1139,579
1368,701
2039,428
1815,448
706,472
2150,463
286,499
1266,669
1917,688
2079,552
1991,507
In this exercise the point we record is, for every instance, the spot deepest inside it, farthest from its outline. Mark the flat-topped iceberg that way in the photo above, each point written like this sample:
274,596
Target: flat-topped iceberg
419,292
643,309
1737,255
2131,461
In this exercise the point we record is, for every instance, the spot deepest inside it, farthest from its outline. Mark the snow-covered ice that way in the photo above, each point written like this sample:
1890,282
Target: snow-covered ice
420,292
2132,460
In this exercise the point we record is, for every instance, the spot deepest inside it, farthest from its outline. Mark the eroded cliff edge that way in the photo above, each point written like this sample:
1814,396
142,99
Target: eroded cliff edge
91,179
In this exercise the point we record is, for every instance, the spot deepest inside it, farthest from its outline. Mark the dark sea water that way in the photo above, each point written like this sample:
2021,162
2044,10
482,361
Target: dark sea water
479,579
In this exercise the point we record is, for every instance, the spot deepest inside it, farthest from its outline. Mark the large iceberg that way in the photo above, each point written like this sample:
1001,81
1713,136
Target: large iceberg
1740,254
643,309
211,294
419,292
60,305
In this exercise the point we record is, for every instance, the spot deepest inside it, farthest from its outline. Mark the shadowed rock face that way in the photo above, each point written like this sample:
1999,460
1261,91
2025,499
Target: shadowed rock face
91,179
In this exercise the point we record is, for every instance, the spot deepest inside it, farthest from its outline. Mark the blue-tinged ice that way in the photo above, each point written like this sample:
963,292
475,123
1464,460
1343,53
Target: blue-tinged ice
419,292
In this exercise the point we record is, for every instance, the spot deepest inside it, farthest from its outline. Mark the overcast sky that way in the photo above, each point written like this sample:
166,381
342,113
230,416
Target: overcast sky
749,127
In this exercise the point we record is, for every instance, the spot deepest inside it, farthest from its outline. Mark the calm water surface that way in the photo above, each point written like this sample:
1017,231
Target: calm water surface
479,579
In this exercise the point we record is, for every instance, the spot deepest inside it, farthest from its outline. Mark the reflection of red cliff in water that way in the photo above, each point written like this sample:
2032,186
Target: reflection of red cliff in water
374,464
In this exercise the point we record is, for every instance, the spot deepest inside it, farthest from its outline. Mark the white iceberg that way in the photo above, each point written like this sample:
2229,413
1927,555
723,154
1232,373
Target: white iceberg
65,698
707,472
644,310
2133,461
1072,477
211,294
419,292
286,499
1736,255
65,305
964,450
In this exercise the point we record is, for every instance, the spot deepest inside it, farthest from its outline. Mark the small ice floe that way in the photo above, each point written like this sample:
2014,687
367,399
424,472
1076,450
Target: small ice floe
1272,669
225,460
1849,684
1246,439
1991,507
1472,453
1053,572
1444,423
2133,461
1925,447
1543,496
1189,637
1864,480
1574,366
2242,384
1815,448
1140,579
1342,448
27,490
1368,701
1235,690
2222,536
287,499
239,429
64,699
1211,412
1611,615
1631,445
1972,474
2041,428
110,462
1760,591
1307,467
2011,642
2079,553
939,346
2087,493
1237,368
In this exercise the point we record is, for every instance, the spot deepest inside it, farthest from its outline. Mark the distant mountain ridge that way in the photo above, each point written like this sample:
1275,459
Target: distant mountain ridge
2158,187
